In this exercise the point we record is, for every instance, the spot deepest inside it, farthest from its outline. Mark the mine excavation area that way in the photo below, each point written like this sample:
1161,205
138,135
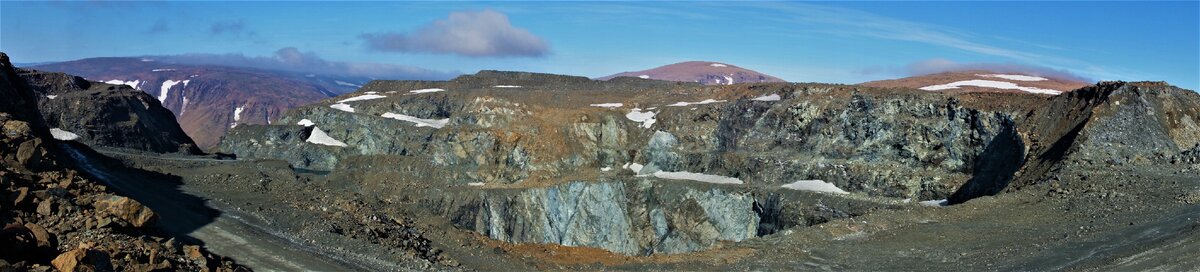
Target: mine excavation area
504,171
240,136
481,173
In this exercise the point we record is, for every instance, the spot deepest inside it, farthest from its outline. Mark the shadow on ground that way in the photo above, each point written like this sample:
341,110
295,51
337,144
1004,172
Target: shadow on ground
179,213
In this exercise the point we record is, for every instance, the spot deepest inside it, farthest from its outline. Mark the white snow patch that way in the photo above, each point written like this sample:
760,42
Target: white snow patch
718,65
362,97
162,70
348,84
371,92
306,122
431,90
815,186
507,86
133,83
684,104
605,169
342,107
183,109
935,203
435,123
52,96
475,184
319,137
63,135
989,84
697,177
146,60
1015,77
644,117
644,76
773,97
608,105
166,88
729,80
237,113
635,167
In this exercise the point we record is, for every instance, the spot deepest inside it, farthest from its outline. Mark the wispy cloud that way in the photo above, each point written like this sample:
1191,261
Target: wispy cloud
235,27
474,34
293,60
159,26
846,22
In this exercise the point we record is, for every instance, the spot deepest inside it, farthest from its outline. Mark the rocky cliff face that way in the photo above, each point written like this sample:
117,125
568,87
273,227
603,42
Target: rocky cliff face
1113,123
54,218
101,114
637,217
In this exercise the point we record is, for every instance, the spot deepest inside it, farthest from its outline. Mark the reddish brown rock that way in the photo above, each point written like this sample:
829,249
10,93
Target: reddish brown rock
41,236
126,209
30,152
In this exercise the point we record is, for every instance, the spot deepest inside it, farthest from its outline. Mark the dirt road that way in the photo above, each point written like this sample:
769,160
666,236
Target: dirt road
228,233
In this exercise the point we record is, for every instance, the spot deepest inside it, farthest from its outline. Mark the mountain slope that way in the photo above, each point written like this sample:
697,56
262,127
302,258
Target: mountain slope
101,114
704,72
208,100
983,81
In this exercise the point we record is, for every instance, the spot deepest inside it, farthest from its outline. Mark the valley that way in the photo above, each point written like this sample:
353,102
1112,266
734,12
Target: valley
482,173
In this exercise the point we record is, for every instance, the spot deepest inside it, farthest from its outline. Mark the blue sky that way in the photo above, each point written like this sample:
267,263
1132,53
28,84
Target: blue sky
842,42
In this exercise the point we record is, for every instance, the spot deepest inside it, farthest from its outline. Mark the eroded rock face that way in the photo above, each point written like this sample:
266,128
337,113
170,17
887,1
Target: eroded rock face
634,217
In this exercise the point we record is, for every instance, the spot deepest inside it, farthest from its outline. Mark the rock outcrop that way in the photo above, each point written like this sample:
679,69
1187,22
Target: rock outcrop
636,217
101,114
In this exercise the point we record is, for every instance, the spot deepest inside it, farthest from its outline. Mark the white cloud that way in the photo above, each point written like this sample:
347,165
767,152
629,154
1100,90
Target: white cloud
470,33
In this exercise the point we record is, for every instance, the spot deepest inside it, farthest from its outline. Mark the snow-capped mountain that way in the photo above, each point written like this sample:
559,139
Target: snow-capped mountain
704,72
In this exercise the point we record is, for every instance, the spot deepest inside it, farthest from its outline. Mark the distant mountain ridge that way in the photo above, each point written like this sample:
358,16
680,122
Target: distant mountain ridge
208,99
983,81
703,72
